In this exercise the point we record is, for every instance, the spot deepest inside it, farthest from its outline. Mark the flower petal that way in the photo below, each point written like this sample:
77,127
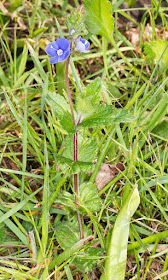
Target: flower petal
54,59
80,46
64,56
81,39
51,49
86,51
87,44
63,44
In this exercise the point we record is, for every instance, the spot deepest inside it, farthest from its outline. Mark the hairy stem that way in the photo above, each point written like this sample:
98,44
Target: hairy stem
76,176
68,91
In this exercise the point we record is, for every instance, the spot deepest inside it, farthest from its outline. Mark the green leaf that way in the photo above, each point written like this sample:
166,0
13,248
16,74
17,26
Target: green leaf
153,101
15,4
106,116
87,148
116,5
61,83
99,118
154,51
87,259
44,93
89,99
66,122
161,130
62,110
75,167
67,233
67,199
114,91
130,2
63,162
38,31
36,61
89,196
23,61
115,263
82,166
2,235
99,20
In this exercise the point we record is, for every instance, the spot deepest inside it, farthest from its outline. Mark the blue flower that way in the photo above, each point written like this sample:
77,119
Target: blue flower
82,45
59,49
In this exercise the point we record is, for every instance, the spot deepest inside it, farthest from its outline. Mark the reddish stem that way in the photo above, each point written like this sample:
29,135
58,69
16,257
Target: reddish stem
76,179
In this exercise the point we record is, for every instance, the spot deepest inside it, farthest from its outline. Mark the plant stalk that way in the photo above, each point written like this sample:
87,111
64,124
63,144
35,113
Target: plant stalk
76,176
68,90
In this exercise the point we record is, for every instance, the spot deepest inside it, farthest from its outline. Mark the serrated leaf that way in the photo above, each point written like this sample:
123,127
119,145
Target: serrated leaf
59,100
154,51
75,166
64,160
61,108
99,20
82,166
99,118
66,122
67,233
106,116
89,99
87,148
89,196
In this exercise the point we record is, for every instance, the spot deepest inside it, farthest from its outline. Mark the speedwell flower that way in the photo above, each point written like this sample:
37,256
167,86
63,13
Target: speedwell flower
82,45
59,49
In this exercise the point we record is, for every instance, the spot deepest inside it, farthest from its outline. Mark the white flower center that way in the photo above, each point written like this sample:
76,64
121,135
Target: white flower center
60,52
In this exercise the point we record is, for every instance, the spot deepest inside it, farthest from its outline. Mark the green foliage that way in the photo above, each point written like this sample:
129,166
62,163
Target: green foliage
130,2
115,263
106,115
2,235
75,22
114,91
87,259
99,20
15,4
88,101
157,51
62,111
133,114
74,166
67,233
87,148
161,130
89,196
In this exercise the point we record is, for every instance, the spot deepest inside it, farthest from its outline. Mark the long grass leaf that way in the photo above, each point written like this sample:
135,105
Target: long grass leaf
115,263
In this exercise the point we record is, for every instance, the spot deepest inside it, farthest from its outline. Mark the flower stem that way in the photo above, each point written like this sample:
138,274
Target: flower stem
76,176
68,91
